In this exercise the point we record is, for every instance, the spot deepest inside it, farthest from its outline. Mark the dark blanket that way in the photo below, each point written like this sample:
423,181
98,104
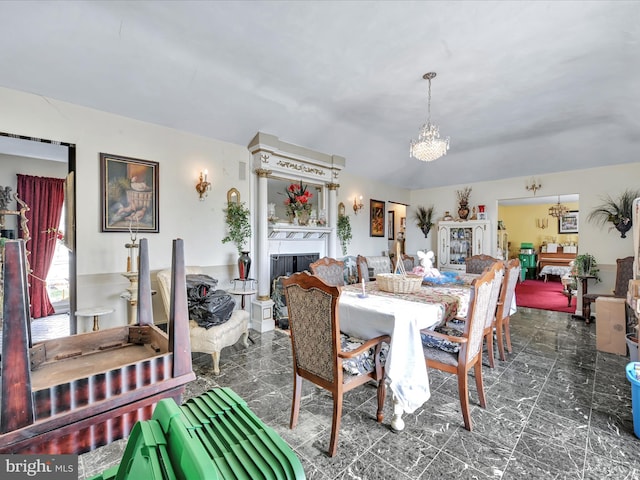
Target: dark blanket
208,307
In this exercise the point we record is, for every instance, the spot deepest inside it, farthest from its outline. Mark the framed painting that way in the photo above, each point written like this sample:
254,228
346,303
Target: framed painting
391,217
403,223
376,218
128,194
568,223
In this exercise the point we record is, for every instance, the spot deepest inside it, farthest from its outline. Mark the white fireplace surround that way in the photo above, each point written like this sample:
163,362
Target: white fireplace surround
272,157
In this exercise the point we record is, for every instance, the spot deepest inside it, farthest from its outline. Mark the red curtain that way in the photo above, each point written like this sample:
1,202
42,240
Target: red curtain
44,197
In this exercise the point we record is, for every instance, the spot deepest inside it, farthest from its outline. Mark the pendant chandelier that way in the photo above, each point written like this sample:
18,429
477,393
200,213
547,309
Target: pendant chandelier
429,145
558,210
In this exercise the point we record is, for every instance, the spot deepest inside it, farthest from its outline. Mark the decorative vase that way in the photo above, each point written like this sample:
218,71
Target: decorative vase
244,265
303,217
623,228
463,211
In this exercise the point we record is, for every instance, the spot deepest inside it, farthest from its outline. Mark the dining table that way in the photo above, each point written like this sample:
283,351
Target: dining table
367,311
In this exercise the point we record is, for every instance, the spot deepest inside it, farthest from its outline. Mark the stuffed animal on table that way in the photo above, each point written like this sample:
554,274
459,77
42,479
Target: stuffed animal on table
426,268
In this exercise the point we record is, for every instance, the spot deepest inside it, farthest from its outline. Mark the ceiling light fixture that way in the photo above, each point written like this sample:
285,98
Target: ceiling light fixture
558,210
429,145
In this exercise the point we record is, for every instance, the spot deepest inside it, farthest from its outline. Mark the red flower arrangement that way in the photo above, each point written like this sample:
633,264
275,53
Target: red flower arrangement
298,198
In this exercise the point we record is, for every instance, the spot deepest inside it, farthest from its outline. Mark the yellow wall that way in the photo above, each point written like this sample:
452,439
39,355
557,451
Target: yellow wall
520,223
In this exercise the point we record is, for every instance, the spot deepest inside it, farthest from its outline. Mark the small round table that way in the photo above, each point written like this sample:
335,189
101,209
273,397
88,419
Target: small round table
94,312
243,288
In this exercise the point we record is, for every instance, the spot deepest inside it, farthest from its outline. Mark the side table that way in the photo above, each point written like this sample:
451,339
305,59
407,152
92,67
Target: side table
584,283
94,312
243,288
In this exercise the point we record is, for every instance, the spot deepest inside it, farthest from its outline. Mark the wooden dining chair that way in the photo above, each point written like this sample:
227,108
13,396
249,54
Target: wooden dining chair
330,270
477,263
409,262
481,303
320,352
363,268
503,312
624,273
490,320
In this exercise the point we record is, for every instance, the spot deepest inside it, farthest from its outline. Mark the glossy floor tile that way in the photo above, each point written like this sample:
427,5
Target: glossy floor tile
557,409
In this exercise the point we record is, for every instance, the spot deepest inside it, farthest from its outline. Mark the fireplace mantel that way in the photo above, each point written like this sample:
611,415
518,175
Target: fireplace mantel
273,158
292,232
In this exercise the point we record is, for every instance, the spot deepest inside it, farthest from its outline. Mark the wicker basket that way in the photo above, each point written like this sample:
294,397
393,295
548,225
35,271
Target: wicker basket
396,283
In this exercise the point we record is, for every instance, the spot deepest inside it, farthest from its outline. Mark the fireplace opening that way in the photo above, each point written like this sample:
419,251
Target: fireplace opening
286,264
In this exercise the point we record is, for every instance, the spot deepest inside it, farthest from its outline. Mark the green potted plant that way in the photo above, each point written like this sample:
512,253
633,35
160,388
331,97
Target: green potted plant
586,265
423,217
237,216
344,232
618,211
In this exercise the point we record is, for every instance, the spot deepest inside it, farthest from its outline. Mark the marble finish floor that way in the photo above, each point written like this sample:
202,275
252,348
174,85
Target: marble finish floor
557,409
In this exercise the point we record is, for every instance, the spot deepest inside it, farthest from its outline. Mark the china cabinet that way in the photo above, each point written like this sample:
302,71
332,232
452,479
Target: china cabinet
459,240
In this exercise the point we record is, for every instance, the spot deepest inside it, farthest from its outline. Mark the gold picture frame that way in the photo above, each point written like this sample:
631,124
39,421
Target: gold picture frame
376,218
129,194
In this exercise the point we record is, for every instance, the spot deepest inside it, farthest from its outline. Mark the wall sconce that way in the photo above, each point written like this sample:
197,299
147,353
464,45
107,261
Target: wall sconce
202,187
535,186
542,223
357,206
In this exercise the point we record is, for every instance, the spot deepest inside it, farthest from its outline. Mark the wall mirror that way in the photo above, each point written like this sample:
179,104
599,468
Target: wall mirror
277,194
45,158
233,196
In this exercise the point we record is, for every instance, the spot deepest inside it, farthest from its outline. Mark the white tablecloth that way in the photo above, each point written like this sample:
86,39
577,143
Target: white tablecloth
554,270
405,369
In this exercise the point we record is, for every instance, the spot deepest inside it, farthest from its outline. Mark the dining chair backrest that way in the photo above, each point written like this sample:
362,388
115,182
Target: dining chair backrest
495,293
511,276
624,273
481,302
409,262
330,270
478,263
313,323
363,268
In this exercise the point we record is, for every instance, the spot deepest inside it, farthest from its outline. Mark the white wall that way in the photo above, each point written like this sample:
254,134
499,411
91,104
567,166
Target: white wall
351,187
102,256
593,185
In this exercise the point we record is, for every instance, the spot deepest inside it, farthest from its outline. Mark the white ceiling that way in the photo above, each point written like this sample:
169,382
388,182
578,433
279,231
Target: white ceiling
523,88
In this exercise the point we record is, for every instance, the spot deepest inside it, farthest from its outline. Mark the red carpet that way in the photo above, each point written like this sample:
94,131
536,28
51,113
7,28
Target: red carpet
543,296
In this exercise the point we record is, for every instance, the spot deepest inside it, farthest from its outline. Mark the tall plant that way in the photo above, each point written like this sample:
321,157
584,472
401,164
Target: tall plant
423,217
238,225
344,232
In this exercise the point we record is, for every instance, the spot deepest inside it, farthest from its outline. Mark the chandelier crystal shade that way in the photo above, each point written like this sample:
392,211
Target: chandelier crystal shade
429,146
558,210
